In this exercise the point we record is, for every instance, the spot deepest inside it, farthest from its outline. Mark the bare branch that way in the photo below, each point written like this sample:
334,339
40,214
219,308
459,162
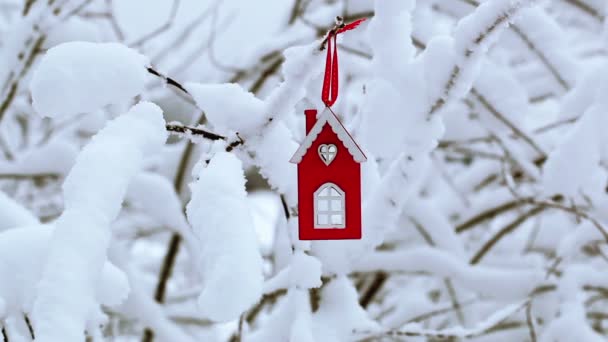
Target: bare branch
162,28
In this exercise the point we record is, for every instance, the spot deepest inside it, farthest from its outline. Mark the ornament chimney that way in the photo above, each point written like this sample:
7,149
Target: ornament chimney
311,119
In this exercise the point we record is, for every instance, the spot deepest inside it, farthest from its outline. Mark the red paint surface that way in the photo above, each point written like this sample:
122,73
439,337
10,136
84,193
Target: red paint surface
343,171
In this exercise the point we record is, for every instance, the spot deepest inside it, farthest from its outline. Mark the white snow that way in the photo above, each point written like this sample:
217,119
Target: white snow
563,172
93,193
23,252
230,260
80,77
228,106
500,283
13,214
303,272
55,157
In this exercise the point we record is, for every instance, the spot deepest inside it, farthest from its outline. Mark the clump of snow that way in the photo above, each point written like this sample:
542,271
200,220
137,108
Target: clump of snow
55,157
80,77
230,259
93,193
303,272
23,252
156,196
567,171
228,106
500,283
272,150
302,64
13,214
339,313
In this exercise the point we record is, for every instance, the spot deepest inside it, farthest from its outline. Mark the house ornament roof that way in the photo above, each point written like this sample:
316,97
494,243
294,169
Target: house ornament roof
329,117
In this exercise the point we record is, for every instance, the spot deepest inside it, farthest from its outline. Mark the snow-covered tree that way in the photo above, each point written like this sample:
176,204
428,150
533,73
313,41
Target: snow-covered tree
146,191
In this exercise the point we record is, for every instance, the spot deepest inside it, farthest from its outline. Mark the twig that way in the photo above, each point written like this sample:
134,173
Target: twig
285,207
162,28
447,334
503,232
491,213
35,176
577,212
266,299
182,129
532,47
295,12
4,334
174,242
369,294
169,80
586,8
507,122
27,6
266,73
14,84
29,326
163,278
529,322
541,56
115,27
456,72
437,312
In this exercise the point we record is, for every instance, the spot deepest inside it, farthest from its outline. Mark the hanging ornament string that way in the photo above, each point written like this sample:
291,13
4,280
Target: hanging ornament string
330,81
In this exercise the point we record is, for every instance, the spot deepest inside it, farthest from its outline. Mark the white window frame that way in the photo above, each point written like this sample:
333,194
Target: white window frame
329,211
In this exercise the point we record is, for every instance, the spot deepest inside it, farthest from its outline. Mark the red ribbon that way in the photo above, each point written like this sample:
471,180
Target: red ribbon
330,81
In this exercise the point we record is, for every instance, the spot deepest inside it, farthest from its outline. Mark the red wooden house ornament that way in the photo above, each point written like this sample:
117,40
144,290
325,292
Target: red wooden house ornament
329,180
329,164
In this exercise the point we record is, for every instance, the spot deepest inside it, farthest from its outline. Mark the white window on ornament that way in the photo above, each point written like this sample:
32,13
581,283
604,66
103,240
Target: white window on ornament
329,208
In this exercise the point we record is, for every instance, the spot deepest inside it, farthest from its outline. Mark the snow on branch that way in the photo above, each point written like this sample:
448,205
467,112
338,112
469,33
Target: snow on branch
13,214
93,192
23,251
496,282
412,330
230,261
472,37
93,74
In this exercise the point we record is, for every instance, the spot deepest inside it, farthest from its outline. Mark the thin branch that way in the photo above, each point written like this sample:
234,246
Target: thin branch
163,278
530,322
115,27
447,334
491,213
266,300
162,28
442,311
29,326
175,241
266,73
27,6
507,122
541,56
456,72
34,176
575,211
195,131
504,232
168,80
584,7
295,12
369,294
532,47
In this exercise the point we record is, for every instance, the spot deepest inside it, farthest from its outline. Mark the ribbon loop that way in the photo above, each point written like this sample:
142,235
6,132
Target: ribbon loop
329,94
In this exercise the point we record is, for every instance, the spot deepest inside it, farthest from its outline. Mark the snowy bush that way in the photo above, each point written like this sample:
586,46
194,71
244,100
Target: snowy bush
146,191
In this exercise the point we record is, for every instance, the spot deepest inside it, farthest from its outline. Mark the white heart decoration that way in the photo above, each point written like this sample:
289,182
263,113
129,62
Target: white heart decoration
328,153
